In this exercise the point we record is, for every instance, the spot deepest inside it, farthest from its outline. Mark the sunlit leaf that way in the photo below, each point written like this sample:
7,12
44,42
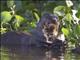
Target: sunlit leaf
65,31
5,16
60,10
19,18
3,30
18,21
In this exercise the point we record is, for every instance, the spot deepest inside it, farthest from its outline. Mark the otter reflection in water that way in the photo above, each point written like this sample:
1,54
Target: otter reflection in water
22,52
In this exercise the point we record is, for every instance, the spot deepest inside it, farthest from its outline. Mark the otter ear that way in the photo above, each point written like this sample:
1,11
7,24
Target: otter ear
55,18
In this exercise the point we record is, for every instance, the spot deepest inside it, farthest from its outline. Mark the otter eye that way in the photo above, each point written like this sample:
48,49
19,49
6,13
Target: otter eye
49,23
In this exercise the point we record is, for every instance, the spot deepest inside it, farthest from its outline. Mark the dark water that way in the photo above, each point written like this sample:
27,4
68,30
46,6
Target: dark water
20,52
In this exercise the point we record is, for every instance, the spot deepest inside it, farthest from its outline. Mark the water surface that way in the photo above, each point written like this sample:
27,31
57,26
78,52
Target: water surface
20,52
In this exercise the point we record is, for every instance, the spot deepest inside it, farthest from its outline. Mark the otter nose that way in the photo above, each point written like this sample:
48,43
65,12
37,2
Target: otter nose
50,39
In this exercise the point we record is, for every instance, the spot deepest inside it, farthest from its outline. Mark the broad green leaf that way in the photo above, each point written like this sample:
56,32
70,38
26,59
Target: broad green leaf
65,31
60,10
5,16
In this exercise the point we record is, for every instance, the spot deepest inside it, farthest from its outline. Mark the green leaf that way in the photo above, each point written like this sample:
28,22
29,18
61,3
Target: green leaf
19,18
17,25
78,13
3,30
18,21
5,16
68,17
60,10
37,16
77,29
33,24
65,31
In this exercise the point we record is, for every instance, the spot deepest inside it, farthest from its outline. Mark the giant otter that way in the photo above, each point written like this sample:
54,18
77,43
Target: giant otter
45,34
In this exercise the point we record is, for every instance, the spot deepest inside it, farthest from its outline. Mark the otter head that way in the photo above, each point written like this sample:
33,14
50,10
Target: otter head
50,27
